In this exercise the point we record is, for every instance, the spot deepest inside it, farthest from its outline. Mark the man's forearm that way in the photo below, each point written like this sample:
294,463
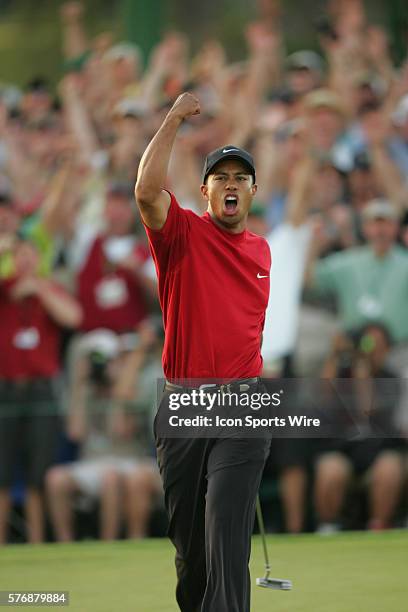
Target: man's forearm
154,164
310,266
73,32
299,200
51,214
74,40
64,309
153,203
389,175
79,121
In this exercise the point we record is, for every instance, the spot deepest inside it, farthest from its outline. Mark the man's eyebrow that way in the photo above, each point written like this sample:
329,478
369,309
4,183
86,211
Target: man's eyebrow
223,173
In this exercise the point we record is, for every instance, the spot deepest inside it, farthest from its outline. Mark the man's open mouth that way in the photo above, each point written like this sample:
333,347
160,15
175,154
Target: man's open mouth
230,204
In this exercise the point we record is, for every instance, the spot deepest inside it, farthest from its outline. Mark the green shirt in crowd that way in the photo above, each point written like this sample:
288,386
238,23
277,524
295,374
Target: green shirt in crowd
367,288
34,231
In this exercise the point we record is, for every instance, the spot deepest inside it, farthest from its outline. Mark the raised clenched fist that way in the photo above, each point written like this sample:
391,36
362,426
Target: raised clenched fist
185,106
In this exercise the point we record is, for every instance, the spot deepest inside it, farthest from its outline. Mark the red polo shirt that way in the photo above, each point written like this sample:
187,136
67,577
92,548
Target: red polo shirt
29,338
213,290
111,296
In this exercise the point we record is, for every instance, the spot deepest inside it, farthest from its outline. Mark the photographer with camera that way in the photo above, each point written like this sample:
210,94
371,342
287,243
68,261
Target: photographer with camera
111,381
375,456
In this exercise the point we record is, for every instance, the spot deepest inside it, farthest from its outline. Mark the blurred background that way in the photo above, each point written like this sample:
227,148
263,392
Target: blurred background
30,32
318,93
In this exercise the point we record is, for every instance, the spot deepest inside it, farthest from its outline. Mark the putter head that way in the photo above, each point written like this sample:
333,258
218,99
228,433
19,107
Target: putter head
274,583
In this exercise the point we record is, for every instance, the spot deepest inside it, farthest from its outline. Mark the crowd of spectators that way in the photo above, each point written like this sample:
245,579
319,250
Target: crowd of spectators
80,335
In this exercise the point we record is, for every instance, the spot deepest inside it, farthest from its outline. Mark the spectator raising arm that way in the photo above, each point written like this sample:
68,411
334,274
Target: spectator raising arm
299,196
316,247
158,70
53,214
152,201
377,132
74,37
78,121
23,171
264,46
378,54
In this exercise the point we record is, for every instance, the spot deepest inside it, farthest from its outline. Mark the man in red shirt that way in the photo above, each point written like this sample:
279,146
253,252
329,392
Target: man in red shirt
32,312
112,283
213,287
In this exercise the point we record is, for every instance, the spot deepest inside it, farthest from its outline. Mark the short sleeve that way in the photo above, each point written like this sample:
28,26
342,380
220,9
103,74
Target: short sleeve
169,244
176,224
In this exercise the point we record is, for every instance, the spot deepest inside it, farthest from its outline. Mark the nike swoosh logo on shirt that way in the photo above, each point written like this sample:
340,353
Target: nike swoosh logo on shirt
261,276
229,150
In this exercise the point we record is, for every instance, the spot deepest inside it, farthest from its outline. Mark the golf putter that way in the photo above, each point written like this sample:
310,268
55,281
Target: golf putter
279,584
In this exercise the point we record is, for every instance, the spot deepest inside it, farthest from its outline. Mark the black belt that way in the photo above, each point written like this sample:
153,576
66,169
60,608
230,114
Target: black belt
244,384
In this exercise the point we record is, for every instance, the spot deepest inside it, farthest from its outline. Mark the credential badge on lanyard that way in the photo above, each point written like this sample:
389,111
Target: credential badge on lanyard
27,339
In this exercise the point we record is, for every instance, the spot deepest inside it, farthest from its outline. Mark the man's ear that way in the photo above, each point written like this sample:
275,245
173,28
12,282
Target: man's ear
254,189
204,191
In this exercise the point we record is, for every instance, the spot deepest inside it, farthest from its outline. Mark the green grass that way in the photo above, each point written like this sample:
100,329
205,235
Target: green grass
353,572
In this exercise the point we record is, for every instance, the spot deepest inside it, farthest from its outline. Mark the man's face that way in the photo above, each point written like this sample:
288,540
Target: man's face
362,95
9,220
302,80
328,186
125,70
119,215
229,191
381,234
128,126
362,186
36,103
26,259
42,143
325,125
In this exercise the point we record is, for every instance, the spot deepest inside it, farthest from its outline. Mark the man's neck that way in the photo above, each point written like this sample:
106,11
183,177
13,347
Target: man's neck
232,229
382,252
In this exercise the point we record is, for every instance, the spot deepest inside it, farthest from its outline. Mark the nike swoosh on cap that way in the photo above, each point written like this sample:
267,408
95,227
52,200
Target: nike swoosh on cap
229,150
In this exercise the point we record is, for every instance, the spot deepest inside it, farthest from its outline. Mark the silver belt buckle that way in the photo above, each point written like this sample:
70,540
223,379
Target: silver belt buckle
207,386
244,387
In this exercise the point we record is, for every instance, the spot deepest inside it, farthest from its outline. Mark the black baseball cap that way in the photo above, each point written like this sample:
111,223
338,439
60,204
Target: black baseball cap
228,152
38,84
6,199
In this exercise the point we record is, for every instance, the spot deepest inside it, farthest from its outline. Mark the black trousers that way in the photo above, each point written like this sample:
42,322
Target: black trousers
29,430
210,488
